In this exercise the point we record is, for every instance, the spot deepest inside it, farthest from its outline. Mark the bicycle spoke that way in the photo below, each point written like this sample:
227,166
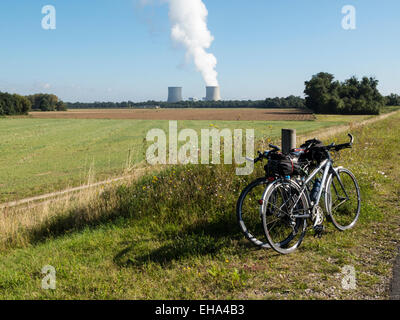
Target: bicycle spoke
284,232
277,219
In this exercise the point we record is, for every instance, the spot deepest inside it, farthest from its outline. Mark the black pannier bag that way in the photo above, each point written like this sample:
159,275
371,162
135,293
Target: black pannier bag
281,164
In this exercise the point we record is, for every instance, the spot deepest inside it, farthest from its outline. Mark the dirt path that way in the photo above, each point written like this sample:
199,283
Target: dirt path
321,134
59,194
395,284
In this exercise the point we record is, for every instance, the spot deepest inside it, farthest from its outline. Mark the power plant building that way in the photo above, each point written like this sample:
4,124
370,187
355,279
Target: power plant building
213,94
174,94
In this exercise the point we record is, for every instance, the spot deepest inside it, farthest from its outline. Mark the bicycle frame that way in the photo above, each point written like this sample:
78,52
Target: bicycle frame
326,167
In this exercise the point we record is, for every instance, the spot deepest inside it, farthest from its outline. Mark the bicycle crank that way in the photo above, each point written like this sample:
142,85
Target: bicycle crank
317,216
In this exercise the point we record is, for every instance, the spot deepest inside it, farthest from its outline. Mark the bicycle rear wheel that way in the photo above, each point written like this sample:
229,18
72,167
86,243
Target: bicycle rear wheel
282,202
343,199
248,212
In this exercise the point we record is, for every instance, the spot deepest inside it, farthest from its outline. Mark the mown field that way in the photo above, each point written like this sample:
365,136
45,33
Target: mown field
174,236
38,156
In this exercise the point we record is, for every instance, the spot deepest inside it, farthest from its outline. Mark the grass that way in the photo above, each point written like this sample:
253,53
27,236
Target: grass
389,109
174,236
39,156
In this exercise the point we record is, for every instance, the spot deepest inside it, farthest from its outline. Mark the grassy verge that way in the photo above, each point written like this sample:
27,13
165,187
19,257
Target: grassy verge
389,109
174,236
39,156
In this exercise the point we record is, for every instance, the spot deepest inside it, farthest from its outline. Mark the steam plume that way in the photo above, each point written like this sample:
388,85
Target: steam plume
189,27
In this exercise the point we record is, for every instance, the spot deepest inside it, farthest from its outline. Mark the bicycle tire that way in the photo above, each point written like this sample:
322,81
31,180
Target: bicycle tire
339,220
299,226
247,223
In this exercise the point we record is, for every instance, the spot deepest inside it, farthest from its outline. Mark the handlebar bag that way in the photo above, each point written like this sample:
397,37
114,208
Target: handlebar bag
314,150
311,143
282,165
318,154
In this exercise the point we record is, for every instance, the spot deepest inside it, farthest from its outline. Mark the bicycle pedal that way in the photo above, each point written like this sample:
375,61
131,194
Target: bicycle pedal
319,231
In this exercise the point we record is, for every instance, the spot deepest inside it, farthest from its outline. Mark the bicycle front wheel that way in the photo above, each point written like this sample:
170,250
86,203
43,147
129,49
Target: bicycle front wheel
248,212
283,214
343,199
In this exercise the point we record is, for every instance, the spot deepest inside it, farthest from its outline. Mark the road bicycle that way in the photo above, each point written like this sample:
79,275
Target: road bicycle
288,204
248,205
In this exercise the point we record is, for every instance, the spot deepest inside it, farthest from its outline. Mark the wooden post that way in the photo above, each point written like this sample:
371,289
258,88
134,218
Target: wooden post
288,140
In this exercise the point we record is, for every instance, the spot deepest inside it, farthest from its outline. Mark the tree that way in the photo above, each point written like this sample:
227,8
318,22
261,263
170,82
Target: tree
393,100
46,102
361,97
45,105
13,104
324,95
61,106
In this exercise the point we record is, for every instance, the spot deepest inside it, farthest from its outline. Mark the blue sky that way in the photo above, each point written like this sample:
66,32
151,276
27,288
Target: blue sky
115,50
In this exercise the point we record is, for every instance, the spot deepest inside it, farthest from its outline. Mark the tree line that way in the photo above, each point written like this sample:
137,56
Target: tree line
322,95
14,104
353,96
291,101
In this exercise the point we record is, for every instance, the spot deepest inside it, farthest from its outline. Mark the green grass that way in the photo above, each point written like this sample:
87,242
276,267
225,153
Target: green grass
40,156
174,236
389,109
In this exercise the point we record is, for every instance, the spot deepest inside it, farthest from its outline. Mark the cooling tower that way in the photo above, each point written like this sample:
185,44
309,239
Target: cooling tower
174,94
213,94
